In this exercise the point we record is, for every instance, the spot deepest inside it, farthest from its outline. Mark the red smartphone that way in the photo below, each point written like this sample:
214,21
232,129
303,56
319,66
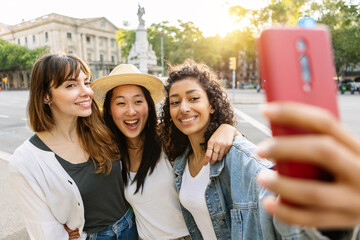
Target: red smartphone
296,64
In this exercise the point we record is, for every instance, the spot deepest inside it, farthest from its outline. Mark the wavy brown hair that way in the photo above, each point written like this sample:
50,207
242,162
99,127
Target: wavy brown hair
175,142
51,71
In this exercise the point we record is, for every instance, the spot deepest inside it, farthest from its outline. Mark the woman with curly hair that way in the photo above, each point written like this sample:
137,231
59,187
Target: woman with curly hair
128,98
221,201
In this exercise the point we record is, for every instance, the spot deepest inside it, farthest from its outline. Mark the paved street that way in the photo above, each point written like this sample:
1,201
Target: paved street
13,131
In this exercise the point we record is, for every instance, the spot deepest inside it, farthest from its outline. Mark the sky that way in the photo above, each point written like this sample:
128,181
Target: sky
211,16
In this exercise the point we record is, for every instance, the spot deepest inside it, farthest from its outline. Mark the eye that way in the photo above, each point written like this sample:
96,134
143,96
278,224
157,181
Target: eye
139,101
174,103
194,98
120,103
87,83
70,85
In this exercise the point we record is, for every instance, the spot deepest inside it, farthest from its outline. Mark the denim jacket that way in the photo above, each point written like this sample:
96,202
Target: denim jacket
233,199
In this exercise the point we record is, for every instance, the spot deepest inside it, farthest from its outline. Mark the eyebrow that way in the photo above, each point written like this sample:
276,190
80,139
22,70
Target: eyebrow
76,79
187,92
137,95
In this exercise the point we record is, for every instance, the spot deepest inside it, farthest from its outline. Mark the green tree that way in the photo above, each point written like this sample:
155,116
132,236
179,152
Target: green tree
125,39
342,19
14,57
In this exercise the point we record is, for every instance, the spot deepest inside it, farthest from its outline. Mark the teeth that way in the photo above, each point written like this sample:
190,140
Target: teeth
188,119
83,103
131,122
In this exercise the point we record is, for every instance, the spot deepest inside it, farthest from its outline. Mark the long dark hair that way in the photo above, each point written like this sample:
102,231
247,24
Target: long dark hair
152,145
175,142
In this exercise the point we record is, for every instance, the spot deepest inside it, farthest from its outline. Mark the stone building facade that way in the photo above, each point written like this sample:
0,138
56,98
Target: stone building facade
92,39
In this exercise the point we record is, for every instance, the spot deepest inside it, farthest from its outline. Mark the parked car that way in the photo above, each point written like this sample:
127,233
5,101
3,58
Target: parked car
357,84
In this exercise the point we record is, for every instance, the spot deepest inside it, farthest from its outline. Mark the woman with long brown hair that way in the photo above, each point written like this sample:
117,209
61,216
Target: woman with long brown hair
68,173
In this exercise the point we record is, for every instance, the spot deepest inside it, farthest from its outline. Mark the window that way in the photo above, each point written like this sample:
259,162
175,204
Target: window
101,58
68,36
88,39
26,40
112,43
46,37
112,59
34,39
19,41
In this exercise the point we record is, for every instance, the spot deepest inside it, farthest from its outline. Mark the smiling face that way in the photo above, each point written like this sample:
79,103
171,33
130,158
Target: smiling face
189,107
129,110
72,98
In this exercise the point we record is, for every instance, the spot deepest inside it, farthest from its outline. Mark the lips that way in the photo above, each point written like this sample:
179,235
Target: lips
131,124
84,103
187,120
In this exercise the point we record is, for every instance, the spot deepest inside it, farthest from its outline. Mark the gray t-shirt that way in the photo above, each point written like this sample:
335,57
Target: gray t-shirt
103,196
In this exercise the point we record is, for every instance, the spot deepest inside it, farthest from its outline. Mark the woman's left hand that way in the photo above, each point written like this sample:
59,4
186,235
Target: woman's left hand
220,143
73,234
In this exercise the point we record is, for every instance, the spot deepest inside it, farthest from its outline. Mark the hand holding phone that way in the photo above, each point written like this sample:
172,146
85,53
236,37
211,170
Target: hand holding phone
296,64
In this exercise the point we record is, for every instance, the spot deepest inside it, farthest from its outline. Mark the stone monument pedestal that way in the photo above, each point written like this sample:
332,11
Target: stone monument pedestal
141,53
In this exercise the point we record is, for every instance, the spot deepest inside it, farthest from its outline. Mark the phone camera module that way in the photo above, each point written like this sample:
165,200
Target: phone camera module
301,45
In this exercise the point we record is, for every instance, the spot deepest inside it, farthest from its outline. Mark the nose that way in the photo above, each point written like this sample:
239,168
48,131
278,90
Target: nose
86,90
130,110
184,108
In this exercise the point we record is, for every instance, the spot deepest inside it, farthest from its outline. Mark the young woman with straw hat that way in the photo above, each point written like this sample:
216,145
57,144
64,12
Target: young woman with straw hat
128,99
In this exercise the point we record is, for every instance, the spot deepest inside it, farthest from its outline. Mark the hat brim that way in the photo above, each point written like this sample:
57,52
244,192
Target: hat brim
102,85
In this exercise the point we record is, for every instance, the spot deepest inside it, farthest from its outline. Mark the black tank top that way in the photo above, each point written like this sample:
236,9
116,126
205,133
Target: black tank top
103,196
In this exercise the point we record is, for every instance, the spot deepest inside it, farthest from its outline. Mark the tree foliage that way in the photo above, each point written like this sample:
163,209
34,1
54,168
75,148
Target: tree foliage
14,57
125,38
187,41
341,16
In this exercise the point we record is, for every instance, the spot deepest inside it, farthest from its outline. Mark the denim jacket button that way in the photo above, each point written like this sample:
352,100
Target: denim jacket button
221,222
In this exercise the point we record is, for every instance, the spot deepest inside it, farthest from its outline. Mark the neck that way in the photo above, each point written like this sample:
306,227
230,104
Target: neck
198,153
65,129
135,143
135,150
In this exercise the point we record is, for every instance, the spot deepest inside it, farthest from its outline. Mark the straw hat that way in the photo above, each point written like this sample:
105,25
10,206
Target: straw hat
124,74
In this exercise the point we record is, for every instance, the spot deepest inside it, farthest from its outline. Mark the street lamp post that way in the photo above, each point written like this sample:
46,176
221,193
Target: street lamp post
162,53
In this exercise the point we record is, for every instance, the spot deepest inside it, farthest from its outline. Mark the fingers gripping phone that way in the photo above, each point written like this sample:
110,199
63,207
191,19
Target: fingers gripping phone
296,64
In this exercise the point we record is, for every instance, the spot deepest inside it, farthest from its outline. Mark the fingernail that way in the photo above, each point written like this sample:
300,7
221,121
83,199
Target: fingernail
269,204
269,109
266,178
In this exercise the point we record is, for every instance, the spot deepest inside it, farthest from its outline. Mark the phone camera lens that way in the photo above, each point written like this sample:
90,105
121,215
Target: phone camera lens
301,45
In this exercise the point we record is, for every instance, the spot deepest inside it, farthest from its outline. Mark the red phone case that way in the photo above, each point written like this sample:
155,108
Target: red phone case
288,58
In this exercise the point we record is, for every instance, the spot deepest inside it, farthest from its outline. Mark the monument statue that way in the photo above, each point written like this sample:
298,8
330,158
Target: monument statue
141,53
141,12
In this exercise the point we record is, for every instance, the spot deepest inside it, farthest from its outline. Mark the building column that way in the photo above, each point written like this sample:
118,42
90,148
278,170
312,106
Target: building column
96,47
108,46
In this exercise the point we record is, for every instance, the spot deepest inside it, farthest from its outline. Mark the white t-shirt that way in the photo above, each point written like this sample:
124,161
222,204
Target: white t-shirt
192,197
157,208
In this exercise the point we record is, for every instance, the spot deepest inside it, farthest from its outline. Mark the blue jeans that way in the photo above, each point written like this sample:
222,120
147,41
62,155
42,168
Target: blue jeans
123,229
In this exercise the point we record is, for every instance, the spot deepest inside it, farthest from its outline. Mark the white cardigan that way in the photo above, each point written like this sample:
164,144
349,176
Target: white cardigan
48,196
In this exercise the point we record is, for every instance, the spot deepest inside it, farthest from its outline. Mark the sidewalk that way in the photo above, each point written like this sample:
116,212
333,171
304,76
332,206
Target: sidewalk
245,96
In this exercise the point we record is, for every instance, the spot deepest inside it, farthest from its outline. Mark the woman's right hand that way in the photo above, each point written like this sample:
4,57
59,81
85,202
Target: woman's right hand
73,234
320,204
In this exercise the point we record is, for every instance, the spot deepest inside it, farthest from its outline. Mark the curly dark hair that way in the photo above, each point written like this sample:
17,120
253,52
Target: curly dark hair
175,142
